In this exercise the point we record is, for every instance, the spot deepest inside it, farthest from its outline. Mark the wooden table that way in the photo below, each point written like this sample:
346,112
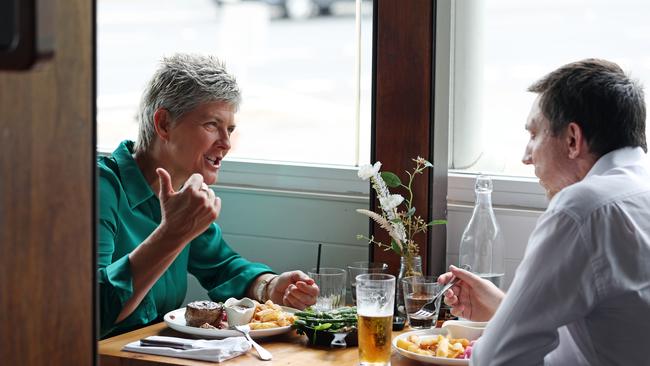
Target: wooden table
287,349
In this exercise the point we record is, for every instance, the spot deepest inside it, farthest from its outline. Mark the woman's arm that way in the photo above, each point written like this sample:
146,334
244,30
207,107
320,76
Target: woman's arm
185,215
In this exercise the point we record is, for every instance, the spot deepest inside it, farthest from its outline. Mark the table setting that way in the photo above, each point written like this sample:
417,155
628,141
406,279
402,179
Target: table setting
330,332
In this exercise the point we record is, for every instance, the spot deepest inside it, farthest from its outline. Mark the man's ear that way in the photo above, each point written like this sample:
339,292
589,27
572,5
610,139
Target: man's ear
575,139
162,123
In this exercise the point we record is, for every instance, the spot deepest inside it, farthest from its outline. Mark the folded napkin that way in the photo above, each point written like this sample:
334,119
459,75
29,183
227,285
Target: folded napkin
198,349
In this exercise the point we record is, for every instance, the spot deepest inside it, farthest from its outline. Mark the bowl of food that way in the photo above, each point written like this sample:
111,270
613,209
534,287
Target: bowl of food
438,346
334,328
239,312
464,329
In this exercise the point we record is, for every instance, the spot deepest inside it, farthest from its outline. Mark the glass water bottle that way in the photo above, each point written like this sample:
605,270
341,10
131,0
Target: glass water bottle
482,246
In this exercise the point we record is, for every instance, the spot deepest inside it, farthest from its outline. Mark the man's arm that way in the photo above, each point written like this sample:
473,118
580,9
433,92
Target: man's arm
553,286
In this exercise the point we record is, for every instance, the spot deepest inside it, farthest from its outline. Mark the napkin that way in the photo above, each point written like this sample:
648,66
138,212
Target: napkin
198,349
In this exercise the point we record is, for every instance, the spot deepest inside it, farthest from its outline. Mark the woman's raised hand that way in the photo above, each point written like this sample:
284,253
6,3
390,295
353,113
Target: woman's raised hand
188,212
472,297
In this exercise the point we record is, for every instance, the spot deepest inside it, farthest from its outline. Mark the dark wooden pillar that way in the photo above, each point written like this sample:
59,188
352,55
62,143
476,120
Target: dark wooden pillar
47,252
402,120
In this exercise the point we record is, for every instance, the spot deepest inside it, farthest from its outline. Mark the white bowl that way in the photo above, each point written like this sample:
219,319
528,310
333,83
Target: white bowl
464,329
239,312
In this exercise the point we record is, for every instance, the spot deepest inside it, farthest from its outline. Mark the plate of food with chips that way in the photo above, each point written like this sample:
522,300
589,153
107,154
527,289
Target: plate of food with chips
449,345
210,319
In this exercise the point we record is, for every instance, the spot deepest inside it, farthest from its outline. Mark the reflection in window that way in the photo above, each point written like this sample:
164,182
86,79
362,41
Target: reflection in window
504,46
297,75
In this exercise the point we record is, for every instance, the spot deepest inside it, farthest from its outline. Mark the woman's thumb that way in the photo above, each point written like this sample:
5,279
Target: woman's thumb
166,188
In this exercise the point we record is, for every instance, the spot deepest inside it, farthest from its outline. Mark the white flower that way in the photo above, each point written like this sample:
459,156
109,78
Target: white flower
390,202
367,171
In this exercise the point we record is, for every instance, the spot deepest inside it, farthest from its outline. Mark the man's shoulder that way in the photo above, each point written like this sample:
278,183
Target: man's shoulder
595,192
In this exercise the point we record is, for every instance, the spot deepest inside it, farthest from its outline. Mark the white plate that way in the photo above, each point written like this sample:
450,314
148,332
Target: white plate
423,358
175,319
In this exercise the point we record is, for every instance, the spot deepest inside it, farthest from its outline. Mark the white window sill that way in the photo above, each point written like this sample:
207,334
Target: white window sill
509,192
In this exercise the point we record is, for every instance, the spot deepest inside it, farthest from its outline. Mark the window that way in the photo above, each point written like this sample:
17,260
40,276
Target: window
297,75
498,48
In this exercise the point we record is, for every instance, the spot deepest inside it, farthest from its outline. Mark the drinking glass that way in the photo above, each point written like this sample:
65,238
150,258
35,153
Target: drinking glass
357,268
331,282
418,290
375,303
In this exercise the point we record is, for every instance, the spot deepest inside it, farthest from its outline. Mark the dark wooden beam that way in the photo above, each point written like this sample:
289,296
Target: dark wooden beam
402,121
47,211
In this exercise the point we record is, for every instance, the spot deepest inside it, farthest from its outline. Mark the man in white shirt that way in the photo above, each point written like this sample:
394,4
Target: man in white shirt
581,295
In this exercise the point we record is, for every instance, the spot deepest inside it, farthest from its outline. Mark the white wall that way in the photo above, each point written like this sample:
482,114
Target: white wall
283,229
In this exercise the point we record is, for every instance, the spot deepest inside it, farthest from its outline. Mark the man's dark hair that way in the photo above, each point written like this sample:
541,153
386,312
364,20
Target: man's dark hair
600,98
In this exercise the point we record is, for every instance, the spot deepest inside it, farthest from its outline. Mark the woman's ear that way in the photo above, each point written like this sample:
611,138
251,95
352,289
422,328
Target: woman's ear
162,123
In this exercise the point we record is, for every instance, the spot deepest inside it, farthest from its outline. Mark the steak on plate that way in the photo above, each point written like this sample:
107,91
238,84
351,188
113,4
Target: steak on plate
201,312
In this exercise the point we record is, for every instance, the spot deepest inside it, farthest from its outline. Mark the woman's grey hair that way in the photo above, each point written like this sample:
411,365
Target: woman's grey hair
182,82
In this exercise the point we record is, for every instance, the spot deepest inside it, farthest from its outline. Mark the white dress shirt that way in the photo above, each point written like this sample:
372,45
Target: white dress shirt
581,295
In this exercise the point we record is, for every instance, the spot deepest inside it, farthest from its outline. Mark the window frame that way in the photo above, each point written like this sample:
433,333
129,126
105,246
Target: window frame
509,191
517,192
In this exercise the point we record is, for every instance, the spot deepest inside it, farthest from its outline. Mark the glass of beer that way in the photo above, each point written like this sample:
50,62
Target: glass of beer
375,302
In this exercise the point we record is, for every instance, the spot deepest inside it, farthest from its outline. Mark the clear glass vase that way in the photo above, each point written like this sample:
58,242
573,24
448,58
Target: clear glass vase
409,266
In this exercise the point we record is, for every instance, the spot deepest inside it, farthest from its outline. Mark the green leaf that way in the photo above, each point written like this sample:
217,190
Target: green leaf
396,221
395,247
391,179
410,212
428,164
322,326
437,222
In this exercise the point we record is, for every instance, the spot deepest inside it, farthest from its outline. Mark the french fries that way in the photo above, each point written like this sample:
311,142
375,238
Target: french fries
438,346
270,315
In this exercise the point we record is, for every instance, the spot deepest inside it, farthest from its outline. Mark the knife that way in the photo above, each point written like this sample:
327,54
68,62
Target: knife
170,342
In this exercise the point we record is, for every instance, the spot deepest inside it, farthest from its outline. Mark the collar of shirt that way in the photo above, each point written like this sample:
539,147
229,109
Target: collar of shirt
625,156
135,186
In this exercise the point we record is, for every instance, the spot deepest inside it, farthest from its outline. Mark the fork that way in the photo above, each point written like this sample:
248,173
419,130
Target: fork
428,309
261,351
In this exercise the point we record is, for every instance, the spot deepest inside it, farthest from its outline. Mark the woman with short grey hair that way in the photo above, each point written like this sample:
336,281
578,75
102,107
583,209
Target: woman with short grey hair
157,213
181,83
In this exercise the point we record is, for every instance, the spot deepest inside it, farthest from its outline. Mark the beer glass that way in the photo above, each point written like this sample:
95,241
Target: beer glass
375,302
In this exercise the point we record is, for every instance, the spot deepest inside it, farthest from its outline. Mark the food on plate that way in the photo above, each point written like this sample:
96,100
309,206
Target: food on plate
213,315
270,315
198,313
438,346
320,326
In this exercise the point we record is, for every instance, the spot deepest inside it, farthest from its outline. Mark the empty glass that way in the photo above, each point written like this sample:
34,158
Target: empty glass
331,282
357,268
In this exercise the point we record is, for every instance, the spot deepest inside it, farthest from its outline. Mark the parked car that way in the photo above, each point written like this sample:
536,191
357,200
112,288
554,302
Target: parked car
298,9
302,9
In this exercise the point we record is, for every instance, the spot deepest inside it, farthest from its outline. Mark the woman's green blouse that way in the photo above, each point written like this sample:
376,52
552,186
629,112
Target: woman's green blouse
129,211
